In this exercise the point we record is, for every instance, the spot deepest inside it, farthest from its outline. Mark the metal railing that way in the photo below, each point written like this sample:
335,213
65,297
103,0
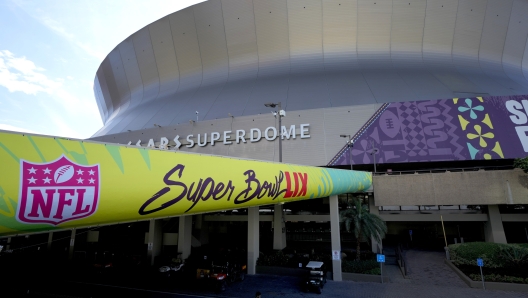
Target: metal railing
444,170
401,259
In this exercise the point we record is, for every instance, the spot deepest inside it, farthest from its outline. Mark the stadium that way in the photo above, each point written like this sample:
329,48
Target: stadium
429,96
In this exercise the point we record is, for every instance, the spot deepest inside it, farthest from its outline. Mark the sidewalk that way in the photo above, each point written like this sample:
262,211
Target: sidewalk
279,286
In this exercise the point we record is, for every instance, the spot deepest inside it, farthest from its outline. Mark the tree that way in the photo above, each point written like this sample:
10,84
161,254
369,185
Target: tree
365,224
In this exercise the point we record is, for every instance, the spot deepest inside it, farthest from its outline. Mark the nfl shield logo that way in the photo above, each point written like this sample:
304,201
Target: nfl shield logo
57,192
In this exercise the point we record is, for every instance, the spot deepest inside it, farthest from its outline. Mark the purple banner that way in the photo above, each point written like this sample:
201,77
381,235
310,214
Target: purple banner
474,128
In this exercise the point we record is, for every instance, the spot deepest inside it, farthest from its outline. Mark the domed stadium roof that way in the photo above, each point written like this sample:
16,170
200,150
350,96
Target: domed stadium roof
221,58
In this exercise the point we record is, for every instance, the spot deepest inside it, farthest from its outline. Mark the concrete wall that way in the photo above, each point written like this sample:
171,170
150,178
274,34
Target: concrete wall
325,127
452,188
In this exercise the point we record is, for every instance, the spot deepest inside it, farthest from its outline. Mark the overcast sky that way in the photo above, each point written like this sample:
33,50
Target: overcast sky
50,51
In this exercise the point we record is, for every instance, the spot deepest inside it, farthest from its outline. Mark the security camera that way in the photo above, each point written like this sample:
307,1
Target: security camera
274,114
196,112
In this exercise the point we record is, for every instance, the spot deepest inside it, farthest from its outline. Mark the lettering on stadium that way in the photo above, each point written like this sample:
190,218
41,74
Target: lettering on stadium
229,137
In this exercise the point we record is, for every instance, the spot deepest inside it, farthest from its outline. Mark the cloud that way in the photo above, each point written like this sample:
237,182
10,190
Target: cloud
22,75
16,128
18,74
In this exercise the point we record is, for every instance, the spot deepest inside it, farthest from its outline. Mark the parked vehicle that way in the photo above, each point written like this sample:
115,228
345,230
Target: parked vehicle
174,267
315,277
104,262
220,268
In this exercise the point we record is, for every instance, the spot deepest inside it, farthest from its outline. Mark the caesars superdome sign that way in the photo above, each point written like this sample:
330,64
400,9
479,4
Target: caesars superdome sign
229,137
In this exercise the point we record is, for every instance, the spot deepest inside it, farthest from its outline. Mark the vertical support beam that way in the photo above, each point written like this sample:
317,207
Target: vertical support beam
253,239
50,239
154,240
279,230
373,210
336,237
185,236
72,244
8,245
494,229
203,228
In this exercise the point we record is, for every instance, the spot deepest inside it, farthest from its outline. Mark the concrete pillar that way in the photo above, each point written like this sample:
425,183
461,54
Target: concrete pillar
203,228
374,210
50,239
72,244
494,231
154,240
336,238
279,228
253,239
8,245
185,236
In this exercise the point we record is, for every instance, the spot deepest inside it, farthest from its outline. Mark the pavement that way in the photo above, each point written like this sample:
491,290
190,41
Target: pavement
427,277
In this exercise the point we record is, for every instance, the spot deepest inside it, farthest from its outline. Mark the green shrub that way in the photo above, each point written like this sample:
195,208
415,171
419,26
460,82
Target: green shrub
362,266
498,278
514,256
468,253
277,258
495,255
375,271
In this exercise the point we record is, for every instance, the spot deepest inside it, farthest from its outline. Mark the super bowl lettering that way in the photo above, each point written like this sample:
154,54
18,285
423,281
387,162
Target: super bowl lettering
208,188
56,192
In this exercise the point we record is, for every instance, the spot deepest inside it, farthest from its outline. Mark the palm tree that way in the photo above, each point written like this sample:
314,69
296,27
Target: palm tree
365,223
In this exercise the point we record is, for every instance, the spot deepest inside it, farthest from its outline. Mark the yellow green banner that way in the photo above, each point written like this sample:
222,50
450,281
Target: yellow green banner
49,183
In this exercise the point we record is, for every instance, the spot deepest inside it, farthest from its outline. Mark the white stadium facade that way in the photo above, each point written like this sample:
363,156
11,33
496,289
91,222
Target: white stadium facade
430,95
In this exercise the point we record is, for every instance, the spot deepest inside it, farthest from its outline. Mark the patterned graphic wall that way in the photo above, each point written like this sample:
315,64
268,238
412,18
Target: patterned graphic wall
476,128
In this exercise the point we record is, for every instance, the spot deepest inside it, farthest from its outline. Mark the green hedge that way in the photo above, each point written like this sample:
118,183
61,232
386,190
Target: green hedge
362,266
277,258
495,255
499,278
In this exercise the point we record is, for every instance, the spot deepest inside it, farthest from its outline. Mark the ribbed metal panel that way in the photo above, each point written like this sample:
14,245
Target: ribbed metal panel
374,30
516,40
407,31
99,98
111,85
241,37
128,55
118,71
241,43
492,43
147,64
224,57
439,27
340,35
165,56
103,87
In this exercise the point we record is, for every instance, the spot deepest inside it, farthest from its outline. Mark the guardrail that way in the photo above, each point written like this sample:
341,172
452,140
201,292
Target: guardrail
401,260
444,170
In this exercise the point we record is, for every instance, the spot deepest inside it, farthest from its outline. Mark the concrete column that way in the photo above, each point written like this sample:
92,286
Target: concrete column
185,236
279,229
154,239
373,210
72,244
253,239
50,239
8,245
203,228
494,231
336,237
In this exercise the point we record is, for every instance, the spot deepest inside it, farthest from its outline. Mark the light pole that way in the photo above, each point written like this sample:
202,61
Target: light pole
281,114
349,145
373,153
279,235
